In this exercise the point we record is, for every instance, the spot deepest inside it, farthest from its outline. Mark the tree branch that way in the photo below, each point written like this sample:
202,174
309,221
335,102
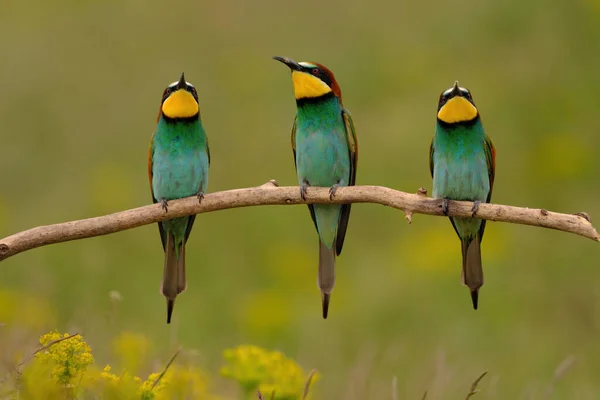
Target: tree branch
271,194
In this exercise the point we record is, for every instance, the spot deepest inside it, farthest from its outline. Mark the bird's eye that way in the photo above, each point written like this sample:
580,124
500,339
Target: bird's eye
315,71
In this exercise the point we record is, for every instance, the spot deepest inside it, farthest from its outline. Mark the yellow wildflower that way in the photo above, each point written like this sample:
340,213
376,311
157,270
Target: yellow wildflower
69,358
109,377
150,387
270,372
185,383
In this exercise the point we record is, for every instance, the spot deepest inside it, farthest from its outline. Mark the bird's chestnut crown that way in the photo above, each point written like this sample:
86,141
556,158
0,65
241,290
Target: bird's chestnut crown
311,80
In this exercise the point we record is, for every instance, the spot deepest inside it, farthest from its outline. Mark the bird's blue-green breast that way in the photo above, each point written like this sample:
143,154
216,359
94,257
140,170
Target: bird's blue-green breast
459,163
179,164
460,169
322,157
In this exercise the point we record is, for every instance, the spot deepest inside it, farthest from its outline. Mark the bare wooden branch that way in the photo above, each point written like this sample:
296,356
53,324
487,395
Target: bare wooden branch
271,194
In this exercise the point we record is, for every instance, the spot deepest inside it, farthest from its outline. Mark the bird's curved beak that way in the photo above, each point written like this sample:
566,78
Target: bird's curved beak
455,89
293,65
181,84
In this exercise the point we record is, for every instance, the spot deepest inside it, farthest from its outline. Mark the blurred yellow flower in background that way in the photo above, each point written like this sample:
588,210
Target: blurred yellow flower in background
132,350
26,309
185,383
271,372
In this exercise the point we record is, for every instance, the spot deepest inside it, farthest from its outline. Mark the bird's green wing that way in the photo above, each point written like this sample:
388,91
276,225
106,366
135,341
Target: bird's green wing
310,206
192,218
353,154
294,140
490,157
163,236
431,158
207,150
431,151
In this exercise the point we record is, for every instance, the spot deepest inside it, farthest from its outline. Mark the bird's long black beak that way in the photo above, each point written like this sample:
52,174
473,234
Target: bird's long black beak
293,65
181,84
455,89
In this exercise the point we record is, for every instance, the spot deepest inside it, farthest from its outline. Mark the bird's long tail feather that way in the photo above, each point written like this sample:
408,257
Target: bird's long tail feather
173,281
326,277
472,271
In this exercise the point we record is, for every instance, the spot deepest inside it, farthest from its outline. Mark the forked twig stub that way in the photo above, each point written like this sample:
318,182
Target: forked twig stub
272,194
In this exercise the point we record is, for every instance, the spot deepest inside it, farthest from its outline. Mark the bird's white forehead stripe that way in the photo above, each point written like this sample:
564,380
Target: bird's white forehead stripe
176,82
307,64
462,89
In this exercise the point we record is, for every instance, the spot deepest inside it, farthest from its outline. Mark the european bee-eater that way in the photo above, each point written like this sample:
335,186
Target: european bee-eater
325,154
462,160
178,163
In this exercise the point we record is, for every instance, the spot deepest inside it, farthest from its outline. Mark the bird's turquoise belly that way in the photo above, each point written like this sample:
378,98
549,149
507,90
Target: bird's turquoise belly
461,179
180,176
322,160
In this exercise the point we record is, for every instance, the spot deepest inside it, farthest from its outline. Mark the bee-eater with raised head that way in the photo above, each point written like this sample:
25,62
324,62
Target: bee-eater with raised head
178,163
325,153
462,160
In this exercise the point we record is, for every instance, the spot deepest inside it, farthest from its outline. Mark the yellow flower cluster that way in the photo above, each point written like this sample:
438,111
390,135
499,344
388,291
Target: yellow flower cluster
64,369
271,372
69,358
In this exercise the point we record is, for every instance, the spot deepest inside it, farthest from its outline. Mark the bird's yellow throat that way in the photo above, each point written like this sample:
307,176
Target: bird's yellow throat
457,109
307,85
180,104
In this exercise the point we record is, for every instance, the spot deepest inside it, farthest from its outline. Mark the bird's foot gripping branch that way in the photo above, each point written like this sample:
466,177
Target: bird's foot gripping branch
271,193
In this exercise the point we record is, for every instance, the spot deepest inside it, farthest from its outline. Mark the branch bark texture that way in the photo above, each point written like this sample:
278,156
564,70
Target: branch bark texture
271,194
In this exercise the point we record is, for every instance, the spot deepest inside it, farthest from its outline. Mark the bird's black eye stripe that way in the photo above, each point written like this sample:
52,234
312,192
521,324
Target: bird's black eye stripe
443,100
319,74
166,94
169,90
193,92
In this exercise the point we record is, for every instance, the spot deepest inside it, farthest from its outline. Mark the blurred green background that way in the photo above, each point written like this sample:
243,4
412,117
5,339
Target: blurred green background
80,85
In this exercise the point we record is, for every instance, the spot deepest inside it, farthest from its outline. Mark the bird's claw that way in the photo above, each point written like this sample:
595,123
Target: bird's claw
303,188
200,196
445,206
475,208
164,204
332,191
